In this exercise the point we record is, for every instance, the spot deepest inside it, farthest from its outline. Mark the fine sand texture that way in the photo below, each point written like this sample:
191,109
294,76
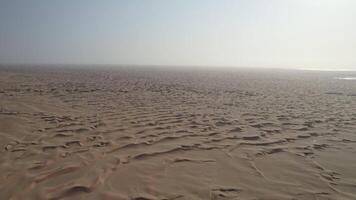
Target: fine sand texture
151,134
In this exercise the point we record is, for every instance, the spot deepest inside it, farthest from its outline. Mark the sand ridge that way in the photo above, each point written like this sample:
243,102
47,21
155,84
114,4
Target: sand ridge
151,134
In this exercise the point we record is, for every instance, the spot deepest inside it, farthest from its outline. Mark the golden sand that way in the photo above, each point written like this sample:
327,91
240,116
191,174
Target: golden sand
184,135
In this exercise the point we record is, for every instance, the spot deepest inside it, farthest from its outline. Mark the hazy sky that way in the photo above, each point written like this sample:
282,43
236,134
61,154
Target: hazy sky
277,33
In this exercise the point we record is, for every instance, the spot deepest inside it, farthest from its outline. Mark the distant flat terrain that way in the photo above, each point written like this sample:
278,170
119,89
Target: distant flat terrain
150,134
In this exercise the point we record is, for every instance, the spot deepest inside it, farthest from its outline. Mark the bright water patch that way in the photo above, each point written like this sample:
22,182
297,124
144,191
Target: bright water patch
347,78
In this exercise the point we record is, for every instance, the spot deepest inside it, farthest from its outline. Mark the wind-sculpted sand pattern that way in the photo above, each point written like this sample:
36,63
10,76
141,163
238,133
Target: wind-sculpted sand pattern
164,135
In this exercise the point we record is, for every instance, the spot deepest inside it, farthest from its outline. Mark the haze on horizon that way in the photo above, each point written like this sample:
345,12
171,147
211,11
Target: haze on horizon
274,33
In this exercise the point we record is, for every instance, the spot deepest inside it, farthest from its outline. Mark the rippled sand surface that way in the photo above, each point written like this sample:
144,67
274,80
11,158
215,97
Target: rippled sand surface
169,134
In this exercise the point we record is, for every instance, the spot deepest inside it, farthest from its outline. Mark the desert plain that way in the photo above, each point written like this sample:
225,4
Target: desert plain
176,134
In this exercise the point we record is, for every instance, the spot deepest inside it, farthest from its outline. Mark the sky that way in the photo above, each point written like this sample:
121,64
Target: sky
247,33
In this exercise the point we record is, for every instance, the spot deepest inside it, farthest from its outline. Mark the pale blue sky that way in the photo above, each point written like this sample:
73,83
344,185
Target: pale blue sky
266,33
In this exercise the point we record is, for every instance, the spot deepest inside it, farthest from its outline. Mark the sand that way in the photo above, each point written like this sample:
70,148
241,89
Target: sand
151,134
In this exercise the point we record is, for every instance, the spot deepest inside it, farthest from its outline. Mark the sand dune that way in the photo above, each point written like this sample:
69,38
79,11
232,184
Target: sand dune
163,135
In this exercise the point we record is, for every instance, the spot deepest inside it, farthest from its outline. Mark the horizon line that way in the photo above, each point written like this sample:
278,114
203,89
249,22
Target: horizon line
287,67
